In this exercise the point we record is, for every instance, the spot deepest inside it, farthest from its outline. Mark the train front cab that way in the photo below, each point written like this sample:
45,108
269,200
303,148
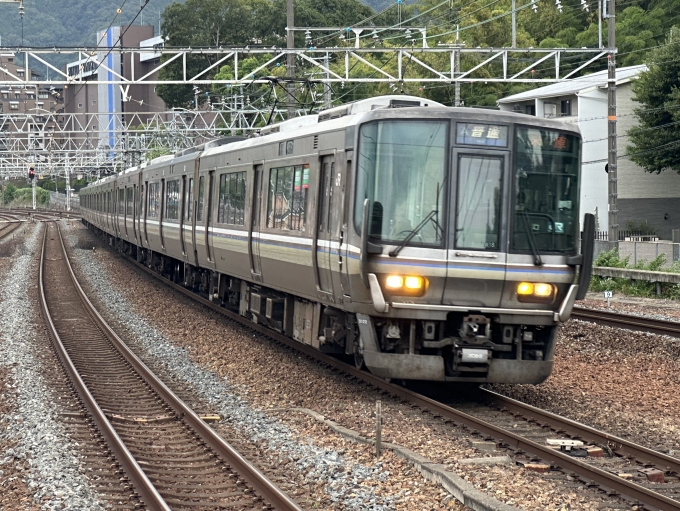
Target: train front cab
466,229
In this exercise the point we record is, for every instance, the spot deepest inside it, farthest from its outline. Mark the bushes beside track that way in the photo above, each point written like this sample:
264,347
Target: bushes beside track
629,287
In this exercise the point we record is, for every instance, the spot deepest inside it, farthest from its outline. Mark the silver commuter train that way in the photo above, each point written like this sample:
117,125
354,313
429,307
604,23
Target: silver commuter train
430,243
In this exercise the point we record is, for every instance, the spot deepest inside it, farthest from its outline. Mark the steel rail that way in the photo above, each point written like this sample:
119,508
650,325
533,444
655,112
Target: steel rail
259,482
575,429
9,228
604,479
141,483
628,322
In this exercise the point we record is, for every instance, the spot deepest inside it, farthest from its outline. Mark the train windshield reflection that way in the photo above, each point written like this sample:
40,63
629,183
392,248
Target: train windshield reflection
402,171
546,190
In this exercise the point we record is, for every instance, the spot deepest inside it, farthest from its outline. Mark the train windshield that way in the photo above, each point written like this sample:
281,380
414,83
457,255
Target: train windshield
546,189
402,171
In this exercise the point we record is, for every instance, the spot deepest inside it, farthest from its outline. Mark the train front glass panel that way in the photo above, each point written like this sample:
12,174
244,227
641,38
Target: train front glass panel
404,171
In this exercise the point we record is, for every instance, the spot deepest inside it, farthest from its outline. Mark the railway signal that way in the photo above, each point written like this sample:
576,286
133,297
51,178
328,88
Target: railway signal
31,174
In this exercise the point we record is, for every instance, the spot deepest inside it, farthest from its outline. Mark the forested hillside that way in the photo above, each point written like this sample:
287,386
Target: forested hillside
69,23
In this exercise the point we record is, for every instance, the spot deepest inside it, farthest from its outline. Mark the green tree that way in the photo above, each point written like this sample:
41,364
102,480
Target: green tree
655,142
10,193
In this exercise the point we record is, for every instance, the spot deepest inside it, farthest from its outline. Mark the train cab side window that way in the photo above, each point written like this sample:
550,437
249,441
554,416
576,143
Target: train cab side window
172,200
288,197
232,199
154,196
189,199
201,196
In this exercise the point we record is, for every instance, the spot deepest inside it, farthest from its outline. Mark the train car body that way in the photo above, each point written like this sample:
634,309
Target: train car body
429,242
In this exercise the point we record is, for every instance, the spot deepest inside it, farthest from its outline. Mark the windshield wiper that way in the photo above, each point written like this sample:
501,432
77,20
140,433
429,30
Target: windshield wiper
532,241
414,232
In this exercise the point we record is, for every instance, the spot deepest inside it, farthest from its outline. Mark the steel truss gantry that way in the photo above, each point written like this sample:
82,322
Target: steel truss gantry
57,143
413,65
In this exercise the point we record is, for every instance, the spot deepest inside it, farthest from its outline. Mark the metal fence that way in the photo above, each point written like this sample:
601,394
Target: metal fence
628,236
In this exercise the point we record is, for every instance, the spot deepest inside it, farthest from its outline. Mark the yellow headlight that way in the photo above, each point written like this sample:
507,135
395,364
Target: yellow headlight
414,282
525,289
543,290
394,282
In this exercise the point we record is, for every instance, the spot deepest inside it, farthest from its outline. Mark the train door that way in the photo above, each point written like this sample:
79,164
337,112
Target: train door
182,215
144,210
254,231
324,249
476,258
208,216
135,213
161,215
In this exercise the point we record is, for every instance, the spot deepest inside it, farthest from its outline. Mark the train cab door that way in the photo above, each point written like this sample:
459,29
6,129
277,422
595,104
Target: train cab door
254,227
477,258
324,228
208,217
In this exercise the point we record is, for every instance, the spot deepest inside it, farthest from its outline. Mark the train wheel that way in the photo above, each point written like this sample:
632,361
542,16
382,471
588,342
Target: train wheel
358,358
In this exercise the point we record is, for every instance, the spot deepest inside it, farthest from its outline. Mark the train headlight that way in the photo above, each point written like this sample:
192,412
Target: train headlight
535,292
411,285
394,282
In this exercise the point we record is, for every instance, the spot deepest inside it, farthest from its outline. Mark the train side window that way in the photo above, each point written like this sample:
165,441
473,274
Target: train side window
288,197
129,201
172,200
282,146
232,199
121,201
189,199
154,206
201,196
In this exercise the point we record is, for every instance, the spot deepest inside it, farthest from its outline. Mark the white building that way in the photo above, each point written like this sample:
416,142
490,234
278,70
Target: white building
642,197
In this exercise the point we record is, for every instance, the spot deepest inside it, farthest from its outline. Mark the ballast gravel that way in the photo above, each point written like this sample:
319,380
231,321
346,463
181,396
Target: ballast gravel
347,484
263,375
39,465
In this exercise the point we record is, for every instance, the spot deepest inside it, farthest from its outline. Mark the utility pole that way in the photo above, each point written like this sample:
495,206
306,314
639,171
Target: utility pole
328,102
290,58
611,121
514,25
456,100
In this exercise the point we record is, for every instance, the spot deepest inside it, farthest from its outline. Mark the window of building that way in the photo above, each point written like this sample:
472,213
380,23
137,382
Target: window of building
288,197
154,209
566,107
282,146
20,73
530,109
549,109
172,200
5,94
94,101
17,95
43,95
232,199
14,105
40,105
80,105
290,145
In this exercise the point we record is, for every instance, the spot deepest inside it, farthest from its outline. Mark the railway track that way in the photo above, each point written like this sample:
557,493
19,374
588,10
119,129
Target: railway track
8,228
636,323
169,455
619,471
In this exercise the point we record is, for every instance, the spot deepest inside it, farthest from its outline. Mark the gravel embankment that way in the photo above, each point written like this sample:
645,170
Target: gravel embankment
655,308
39,465
245,375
